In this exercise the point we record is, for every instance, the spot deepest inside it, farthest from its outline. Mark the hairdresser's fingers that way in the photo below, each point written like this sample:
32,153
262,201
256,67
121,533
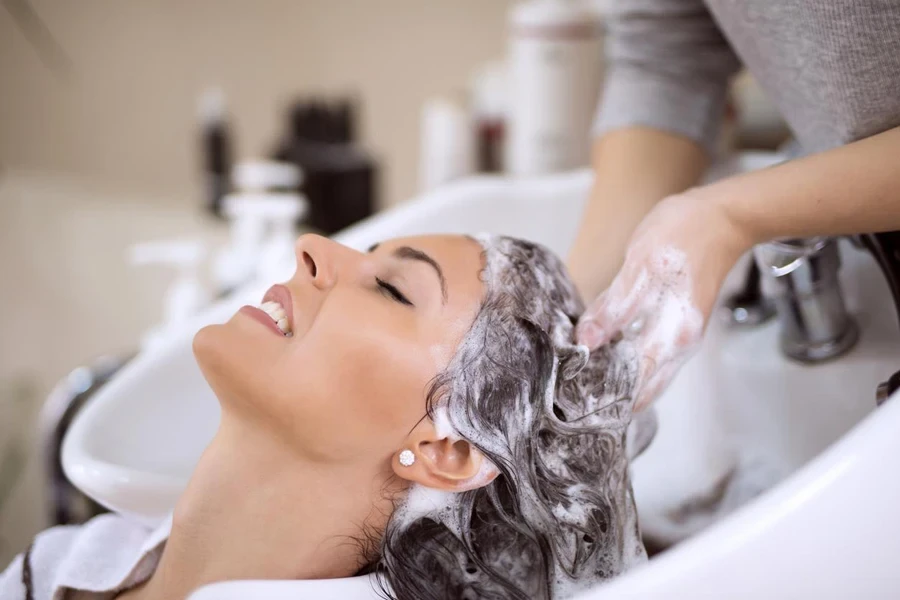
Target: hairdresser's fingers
612,312
590,330
647,368
663,295
663,347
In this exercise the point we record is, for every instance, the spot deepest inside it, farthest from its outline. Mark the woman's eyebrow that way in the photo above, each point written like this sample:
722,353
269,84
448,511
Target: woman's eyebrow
407,253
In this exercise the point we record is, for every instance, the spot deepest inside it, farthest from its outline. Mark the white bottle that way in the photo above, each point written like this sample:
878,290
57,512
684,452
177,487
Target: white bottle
556,71
447,149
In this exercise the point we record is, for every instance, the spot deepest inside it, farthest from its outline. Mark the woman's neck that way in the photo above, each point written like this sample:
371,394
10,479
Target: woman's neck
256,510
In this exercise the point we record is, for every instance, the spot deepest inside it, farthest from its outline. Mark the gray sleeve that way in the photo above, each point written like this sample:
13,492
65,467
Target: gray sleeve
669,67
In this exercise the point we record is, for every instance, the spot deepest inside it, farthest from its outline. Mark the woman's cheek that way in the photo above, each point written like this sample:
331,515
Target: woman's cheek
355,378
390,380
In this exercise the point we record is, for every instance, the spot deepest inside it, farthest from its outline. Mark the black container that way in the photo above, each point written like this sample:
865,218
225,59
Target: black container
340,178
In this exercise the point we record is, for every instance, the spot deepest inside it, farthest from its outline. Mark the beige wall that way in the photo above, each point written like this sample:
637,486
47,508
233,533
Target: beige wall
126,110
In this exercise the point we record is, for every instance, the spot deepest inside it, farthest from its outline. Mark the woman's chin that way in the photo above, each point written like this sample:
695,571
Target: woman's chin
234,341
205,344
236,360
223,354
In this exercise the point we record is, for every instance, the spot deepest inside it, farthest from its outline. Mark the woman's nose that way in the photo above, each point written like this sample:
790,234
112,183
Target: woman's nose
318,259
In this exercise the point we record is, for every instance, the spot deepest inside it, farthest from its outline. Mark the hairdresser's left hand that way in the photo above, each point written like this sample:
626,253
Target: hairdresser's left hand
663,295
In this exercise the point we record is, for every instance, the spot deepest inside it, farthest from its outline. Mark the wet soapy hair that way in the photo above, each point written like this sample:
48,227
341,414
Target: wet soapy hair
551,417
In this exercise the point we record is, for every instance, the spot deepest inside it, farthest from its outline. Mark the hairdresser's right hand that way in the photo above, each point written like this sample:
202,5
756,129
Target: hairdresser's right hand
662,296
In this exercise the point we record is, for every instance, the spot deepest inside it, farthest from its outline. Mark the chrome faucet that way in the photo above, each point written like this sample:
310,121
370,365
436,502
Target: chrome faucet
801,276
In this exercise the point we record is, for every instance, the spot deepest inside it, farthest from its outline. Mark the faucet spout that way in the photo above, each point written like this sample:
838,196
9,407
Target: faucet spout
802,275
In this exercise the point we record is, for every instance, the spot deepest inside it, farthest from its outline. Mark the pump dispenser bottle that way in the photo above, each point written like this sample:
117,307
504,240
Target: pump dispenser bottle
263,214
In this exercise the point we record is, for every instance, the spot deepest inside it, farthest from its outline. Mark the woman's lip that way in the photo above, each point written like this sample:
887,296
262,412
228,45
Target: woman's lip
280,294
262,317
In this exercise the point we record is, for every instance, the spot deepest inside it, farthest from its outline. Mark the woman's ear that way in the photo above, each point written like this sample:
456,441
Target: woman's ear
444,463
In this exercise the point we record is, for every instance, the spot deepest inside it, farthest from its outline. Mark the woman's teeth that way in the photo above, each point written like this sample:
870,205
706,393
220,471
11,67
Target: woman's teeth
276,312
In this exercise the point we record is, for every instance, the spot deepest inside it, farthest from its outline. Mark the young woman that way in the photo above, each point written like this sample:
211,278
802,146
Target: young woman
420,410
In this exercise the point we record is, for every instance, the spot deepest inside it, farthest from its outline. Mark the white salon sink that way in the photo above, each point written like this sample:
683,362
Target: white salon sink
824,530
741,407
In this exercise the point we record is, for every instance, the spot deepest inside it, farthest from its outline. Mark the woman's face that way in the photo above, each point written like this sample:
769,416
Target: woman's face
369,332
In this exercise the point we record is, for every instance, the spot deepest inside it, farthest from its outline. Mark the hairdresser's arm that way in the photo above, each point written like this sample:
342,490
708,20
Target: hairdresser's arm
634,168
851,189
657,123
681,252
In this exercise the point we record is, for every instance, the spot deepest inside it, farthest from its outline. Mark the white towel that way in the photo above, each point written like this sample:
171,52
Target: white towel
106,555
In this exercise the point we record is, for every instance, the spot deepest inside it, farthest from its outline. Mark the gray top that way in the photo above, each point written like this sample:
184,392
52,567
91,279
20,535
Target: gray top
832,67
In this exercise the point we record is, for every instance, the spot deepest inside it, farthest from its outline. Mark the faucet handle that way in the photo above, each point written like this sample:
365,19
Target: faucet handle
885,249
886,388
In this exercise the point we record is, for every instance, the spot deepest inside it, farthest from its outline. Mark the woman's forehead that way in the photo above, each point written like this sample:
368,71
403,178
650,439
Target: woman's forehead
448,246
460,259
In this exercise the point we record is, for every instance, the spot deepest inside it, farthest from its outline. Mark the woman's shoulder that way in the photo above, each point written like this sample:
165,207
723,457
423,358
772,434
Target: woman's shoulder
73,556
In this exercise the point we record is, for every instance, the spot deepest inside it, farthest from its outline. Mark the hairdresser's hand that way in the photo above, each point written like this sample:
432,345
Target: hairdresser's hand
661,298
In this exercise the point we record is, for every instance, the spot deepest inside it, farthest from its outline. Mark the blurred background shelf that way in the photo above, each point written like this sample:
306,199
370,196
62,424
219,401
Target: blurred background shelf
67,296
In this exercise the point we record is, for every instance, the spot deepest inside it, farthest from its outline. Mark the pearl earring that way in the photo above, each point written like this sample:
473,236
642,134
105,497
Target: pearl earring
407,458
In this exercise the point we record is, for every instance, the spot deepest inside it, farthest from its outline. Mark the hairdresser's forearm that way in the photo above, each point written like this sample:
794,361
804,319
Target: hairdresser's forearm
851,189
634,168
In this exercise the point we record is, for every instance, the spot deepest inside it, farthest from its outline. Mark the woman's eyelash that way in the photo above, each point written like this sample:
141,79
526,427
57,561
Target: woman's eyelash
393,291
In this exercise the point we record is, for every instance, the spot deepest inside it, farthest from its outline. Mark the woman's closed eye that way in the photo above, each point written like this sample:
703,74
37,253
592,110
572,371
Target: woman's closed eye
392,292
